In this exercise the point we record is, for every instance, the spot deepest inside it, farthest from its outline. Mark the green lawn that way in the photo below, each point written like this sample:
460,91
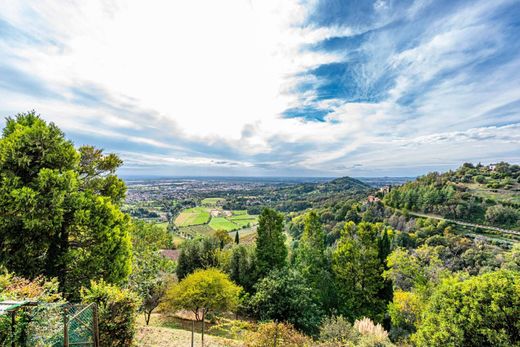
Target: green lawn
212,201
193,216
221,223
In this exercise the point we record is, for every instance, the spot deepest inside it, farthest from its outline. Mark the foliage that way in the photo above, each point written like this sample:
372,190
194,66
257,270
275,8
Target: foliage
241,266
285,295
284,334
203,291
149,236
479,311
502,215
454,195
314,264
151,272
337,331
358,269
117,312
271,252
59,210
223,238
200,253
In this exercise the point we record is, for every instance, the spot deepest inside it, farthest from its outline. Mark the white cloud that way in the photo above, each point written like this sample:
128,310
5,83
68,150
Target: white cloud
218,74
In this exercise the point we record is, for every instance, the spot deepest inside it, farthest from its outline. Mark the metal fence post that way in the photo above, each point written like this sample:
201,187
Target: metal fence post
96,325
65,328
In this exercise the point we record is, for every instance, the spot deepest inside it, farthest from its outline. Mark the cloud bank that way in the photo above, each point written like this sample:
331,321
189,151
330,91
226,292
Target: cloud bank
271,88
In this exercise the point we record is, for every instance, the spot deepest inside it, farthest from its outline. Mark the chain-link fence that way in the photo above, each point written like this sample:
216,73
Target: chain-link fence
80,325
50,325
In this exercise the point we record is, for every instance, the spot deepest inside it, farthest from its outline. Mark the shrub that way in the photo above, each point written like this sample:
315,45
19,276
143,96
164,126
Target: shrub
337,331
286,336
117,312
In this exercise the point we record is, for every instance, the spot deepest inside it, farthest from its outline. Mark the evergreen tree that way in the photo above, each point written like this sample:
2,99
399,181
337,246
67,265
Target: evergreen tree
237,238
312,261
271,252
358,271
59,207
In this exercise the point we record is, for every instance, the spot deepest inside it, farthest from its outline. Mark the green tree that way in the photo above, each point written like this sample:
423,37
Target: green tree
284,295
479,311
271,252
151,272
199,253
237,238
223,238
59,207
358,271
241,266
313,263
202,292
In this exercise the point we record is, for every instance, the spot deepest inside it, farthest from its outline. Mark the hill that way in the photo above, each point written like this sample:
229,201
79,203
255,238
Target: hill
299,197
488,195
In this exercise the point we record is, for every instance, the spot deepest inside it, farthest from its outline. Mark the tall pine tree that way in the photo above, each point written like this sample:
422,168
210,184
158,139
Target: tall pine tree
271,252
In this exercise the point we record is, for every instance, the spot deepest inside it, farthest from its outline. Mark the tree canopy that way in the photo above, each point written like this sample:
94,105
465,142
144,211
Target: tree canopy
59,211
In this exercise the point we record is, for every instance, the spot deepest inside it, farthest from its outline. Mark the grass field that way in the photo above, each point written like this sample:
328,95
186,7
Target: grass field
193,216
169,331
221,223
212,201
244,220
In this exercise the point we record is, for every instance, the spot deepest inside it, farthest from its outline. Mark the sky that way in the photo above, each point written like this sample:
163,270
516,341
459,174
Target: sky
268,87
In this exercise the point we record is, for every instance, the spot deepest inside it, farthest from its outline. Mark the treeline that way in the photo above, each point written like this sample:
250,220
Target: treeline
447,195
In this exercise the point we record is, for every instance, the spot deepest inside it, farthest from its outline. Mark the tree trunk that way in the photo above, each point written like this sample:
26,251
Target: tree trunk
192,332
203,314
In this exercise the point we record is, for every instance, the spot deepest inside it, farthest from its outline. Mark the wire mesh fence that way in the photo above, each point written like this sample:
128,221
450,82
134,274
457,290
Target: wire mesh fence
50,325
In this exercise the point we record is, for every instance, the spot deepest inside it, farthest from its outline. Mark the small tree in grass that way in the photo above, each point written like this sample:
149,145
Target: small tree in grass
202,292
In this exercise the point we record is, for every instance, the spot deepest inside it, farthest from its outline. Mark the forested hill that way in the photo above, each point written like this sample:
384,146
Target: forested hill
481,194
343,184
302,196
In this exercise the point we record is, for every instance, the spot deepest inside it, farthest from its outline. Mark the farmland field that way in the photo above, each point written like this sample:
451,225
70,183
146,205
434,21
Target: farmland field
193,216
221,223
244,220
212,201
202,229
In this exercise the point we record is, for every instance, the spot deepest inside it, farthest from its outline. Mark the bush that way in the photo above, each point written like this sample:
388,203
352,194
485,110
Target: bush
480,311
117,312
337,331
286,336
503,215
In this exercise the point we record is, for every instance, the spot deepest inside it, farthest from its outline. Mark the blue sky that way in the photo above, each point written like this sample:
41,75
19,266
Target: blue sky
300,88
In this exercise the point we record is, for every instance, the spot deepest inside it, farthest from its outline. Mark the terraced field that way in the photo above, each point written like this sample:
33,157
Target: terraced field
193,216
210,217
